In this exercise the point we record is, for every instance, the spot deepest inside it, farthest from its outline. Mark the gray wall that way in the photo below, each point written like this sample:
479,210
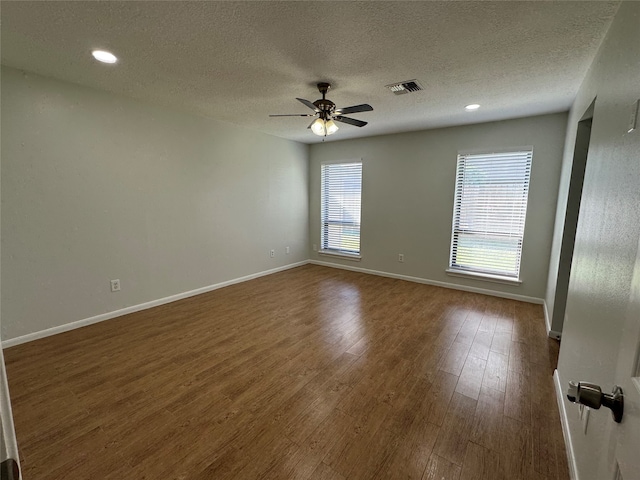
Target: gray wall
97,187
607,234
408,189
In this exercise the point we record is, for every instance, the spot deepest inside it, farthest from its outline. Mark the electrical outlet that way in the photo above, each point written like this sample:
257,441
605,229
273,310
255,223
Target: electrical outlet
315,247
287,250
115,285
401,257
272,253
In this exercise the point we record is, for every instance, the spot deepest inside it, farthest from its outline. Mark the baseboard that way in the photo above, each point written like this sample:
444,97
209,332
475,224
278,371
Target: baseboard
154,303
554,334
454,286
142,306
547,320
571,458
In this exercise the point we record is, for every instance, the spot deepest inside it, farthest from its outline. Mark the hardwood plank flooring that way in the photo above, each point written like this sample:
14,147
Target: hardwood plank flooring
311,373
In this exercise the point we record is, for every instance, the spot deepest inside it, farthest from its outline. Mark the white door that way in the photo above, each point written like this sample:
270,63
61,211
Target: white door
8,446
627,433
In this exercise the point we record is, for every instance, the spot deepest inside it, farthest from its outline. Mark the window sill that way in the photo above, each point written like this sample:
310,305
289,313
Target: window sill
484,276
346,256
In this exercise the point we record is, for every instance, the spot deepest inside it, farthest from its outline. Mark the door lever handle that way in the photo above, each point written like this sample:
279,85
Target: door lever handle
590,395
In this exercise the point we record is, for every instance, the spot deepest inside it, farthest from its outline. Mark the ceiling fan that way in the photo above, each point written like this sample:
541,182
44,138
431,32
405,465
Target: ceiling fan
327,113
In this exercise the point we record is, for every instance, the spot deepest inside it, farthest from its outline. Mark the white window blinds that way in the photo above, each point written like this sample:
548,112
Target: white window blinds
340,207
489,213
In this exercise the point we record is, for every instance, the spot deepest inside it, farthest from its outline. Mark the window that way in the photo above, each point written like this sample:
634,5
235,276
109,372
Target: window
489,214
340,208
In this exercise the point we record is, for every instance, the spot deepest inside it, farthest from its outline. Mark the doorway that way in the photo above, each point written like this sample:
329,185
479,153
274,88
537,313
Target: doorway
574,197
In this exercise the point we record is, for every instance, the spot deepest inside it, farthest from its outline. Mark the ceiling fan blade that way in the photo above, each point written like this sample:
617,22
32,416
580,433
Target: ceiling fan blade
311,124
295,115
350,121
355,109
308,104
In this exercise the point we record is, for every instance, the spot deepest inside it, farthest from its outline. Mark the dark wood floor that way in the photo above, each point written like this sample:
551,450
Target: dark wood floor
310,373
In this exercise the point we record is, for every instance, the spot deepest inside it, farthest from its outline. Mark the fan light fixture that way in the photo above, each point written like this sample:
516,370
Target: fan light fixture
323,127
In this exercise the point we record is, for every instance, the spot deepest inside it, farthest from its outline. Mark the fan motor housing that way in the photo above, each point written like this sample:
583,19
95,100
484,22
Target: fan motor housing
322,104
325,105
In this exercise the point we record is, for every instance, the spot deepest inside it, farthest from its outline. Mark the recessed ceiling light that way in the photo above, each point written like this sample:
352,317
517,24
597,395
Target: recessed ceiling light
104,56
472,107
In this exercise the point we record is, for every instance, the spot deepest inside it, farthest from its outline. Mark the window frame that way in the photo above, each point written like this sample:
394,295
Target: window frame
488,274
336,252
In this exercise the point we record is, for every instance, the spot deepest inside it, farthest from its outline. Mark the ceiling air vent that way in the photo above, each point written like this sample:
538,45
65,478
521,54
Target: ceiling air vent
408,86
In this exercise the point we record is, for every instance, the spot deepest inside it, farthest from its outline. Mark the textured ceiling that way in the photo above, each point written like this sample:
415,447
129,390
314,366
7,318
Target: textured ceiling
240,61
